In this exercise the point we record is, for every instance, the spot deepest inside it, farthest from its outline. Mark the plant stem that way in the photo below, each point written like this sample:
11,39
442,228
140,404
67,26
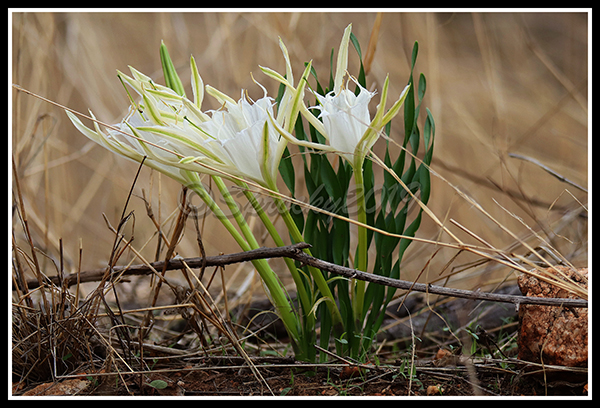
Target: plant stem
197,187
316,274
300,286
248,242
308,332
361,261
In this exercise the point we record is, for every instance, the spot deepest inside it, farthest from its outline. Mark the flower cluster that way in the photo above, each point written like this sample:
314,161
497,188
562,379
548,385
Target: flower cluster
346,121
245,141
176,136
243,138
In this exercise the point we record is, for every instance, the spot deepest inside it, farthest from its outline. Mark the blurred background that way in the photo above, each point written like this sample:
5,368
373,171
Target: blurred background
497,84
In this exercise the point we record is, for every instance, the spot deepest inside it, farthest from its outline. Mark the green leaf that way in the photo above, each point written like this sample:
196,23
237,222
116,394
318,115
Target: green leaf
280,92
428,136
415,51
326,326
356,44
361,73
409,103
309,229
311,184
410,231
298,216
409,112
340,233
330,87
422,87
313,72
425,183
424,175
159,384
286,169
370,201
330,179
316,137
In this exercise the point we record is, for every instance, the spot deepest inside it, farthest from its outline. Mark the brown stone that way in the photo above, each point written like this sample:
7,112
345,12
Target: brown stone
553,334
66,387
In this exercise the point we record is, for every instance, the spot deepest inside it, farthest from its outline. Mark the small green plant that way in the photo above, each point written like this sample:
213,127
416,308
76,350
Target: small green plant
362,306
246,142
158,384
286,390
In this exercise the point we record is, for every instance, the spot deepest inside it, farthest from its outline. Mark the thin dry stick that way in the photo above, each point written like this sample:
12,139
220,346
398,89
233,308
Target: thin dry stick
412,353
177,233
150,214
153,267
295,252
227,331
23,216
548,169
434,289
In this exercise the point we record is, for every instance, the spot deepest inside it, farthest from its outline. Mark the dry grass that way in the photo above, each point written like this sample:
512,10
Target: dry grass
498,83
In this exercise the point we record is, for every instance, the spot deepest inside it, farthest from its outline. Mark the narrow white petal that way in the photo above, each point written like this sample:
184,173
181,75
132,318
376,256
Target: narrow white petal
197,84
342,60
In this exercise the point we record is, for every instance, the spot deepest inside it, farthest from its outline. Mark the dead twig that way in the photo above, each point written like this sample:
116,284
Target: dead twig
295,252
548,169
176,263
433,289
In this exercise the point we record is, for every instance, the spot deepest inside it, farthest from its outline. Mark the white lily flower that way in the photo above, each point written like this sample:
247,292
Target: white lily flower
127,146
346,121
157,128
242,138
174,134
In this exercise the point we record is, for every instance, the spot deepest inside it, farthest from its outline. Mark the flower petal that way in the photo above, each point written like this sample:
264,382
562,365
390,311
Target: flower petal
393,111
342,60
197,84
218,95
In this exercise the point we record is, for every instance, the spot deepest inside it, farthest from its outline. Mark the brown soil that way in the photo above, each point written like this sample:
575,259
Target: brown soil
437,370
219,380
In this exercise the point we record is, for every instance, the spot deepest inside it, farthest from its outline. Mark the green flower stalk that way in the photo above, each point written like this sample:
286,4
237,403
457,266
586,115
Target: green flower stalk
176,137
238,141
347,126
244,142
291,105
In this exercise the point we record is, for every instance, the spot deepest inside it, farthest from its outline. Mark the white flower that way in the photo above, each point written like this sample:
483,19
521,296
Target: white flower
347,124
346,119
177,137
116,141
242,138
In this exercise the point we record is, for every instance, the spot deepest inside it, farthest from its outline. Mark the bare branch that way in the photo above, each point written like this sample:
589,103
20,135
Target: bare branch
434,289
146,269
295,252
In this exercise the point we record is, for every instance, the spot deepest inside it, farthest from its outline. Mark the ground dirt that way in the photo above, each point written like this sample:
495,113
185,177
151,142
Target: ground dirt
223,380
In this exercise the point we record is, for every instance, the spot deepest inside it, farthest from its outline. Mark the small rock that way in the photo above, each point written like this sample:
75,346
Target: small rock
63,388
553,334
434,390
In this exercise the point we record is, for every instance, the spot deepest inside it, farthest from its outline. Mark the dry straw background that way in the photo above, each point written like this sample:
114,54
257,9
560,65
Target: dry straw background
498,83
